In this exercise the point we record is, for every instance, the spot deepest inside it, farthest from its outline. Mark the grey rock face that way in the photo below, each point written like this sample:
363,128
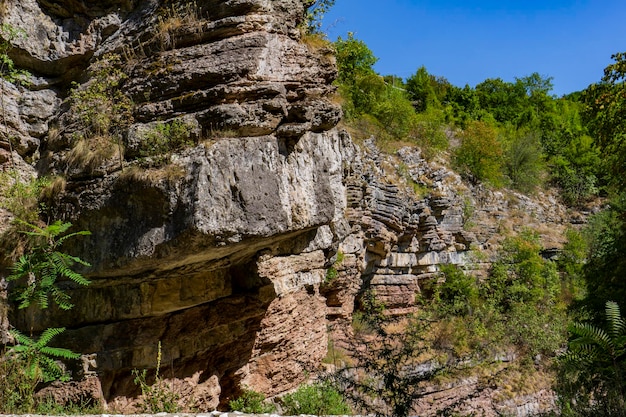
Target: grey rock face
217,250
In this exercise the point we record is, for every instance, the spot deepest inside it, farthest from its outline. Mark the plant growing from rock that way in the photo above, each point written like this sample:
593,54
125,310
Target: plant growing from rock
166,137
251,402
156,397
103,111
39,358
31,361
40,269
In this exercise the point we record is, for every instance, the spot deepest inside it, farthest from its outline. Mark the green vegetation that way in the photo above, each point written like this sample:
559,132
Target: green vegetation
39,358
31,362
251,402
157,397
510,133
318,399
592,373
104,114
44,264
315,15
22,198
166,137
519,305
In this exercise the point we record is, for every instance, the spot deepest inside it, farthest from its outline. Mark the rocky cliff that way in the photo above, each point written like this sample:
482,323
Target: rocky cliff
219,192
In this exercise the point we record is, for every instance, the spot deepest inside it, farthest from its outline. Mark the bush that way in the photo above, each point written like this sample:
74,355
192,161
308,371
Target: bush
524,162
480,155
319,399
166,137
251,402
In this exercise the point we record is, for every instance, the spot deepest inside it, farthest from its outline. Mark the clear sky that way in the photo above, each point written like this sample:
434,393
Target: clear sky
470,41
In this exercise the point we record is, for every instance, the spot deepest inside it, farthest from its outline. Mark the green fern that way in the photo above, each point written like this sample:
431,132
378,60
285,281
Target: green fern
39,357
592,370
44,265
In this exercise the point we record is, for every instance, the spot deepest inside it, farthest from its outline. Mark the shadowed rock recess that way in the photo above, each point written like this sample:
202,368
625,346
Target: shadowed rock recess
218,247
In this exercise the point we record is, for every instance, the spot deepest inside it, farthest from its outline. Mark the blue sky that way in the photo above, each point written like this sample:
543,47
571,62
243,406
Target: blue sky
469,41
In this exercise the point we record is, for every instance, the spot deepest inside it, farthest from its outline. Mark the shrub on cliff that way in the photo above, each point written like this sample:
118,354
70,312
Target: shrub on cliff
251,402
319,399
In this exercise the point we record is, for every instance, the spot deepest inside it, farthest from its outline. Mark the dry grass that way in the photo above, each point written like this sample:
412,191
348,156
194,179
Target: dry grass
168,173
53,189
91,154
175,20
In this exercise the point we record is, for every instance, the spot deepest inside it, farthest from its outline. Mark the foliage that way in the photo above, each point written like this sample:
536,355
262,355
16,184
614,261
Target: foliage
101,104
156,397
41,268
524,163
166,137
458,294
38,357
251,402
394,111
8,71
391,363
480,155
315,15
22,198
17,386
605,114
319,399
576,169
427,91
591,381
606,265
102,108
354,59
517,305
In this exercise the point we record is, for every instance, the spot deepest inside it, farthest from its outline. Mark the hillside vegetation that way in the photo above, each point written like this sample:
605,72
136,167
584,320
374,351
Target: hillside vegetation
518,135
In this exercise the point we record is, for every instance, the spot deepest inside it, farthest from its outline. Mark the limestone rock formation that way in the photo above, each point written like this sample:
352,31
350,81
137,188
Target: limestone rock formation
219,193
216,250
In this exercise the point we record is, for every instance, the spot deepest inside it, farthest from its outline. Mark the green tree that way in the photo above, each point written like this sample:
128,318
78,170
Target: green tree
504,100
605,114
524,162
480,155
354,59
315,14
421,90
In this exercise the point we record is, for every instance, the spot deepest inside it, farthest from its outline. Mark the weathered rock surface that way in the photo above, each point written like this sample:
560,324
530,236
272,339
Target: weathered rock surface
218,254
220,250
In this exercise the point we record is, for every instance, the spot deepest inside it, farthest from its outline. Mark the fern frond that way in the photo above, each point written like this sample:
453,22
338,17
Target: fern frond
70,235
614,318
59,352
588,334
48,335
21,338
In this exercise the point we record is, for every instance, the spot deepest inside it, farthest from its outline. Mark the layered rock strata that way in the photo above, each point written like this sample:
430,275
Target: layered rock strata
220,249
